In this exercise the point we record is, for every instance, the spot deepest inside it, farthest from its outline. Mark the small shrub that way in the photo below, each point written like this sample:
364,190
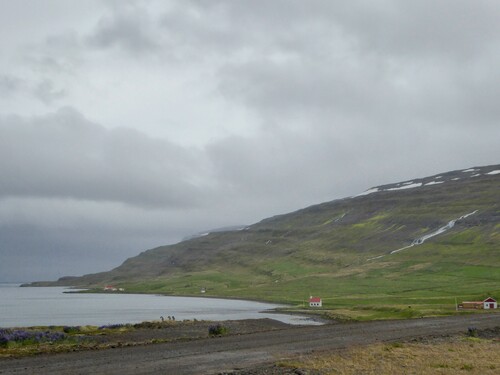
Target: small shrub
391,346
112,326
472,332
71,329
217,330
396,345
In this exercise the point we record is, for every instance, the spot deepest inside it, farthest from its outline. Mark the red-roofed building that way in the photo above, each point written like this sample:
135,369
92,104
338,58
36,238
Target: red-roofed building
488,303
315,302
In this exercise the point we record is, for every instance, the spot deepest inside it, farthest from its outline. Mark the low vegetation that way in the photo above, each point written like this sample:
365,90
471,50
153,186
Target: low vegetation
18,342
21,342
217,330
440,356
20,337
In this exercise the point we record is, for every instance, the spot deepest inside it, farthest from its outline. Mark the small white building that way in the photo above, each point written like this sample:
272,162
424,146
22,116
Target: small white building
315,302
490,303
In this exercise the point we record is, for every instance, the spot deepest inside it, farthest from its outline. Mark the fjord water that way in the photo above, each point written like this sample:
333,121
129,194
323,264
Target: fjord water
21,307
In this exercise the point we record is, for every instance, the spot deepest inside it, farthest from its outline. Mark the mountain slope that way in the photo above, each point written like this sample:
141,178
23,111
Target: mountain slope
429,238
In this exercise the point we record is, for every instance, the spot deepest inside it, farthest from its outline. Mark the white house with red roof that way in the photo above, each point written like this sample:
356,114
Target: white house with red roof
490,303
315,302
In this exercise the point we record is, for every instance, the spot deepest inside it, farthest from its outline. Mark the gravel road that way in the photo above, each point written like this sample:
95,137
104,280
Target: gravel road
228,353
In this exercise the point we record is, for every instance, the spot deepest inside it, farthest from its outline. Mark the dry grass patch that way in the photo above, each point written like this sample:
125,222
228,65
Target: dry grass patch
361,269
420,266
458,355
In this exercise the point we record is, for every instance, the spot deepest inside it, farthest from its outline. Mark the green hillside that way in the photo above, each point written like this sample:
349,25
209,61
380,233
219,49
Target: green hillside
341,251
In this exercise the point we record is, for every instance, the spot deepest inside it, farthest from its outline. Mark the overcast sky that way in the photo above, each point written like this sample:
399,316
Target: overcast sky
126,125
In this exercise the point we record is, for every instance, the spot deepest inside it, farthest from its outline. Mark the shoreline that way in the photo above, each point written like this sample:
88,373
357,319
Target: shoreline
123,310
314,315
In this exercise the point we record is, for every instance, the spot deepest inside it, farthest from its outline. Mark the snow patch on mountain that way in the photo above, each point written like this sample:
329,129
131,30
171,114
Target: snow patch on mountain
434,183
434,180
369,191
410,186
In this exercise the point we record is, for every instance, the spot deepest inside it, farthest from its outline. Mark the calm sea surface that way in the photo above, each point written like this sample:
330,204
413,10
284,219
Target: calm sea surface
51,306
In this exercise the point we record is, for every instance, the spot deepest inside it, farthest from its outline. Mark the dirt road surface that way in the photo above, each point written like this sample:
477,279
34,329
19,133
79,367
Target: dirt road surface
228,353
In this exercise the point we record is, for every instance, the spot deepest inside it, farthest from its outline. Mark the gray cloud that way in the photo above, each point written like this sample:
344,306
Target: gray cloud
352,70
128,28
47,93
45,90
25,247
393,60
9,85
425,29
65,155
289,103
458,30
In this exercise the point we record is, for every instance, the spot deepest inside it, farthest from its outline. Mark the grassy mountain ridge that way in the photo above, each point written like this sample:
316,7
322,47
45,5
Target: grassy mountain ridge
341,250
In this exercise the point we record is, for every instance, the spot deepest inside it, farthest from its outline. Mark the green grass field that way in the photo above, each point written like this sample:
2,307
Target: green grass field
425,280
329,250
